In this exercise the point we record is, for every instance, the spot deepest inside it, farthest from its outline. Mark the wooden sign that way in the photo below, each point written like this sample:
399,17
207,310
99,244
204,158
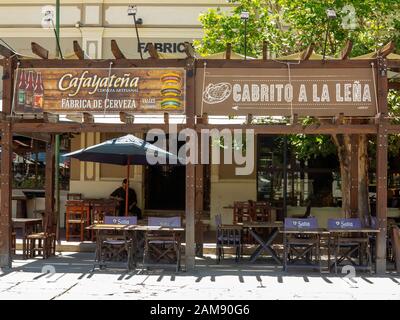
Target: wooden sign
151,90
283,92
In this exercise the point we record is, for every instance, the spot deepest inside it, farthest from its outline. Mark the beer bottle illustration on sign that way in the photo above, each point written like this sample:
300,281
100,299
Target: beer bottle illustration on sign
29,90
38,92
21,89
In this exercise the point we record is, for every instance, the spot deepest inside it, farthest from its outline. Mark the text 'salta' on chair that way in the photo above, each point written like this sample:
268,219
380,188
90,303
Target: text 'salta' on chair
43,242
161,246
77,219
301,243
227,236
117,246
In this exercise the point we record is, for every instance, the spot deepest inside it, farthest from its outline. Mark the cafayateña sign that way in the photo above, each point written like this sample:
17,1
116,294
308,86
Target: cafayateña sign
276,92
149,90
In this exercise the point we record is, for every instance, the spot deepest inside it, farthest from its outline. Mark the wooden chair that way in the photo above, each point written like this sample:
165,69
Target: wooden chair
227,235
301,249
163,245
117,246
13,242
100,209
103,208
77,217
350,247
43,242
243,212
261,211
396,246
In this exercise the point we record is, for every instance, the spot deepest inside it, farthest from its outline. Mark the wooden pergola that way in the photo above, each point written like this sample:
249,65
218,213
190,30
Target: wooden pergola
48,125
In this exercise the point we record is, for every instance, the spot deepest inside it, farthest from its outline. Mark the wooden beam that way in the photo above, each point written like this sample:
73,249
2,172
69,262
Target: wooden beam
294,120
126,118
116,50
6,164
179,63
189,50
203,119
298,129
39,50
88,117
265,50
5,52
394,85
153,51
339,119
6,192
37,136
228,51
354,176
346,50
249,119
166,118
199,202
393,128
307,53
78,50
61,127
50,117
49,186
381,167
386,49
190,197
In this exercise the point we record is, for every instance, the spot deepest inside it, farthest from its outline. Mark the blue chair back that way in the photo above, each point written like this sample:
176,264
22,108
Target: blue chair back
301,224
343,224
173,222
132,220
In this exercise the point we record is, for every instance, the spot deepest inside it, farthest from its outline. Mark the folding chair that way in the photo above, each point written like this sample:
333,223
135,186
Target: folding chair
349,245
301,243
163,245
228,235
116,246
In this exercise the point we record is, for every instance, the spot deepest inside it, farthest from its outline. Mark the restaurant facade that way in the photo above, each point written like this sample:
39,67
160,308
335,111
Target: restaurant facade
96,99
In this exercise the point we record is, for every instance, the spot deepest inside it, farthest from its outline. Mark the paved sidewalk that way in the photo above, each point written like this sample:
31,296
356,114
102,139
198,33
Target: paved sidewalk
73,279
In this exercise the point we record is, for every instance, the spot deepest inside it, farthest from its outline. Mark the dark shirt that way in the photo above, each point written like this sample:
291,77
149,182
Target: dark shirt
120,193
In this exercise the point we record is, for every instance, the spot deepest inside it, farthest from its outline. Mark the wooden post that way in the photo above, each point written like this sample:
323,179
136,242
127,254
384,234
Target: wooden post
381,167
199,173
354,175
6,165
49,185
190,169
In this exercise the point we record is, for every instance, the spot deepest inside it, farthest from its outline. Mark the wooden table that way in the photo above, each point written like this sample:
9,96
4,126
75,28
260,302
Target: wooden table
265,244
27,226
130,234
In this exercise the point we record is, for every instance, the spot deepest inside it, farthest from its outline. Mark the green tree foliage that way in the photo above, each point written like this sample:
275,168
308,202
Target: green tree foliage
291,25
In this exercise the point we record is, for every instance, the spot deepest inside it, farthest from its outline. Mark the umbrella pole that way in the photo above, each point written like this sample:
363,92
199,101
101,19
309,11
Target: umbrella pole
127,189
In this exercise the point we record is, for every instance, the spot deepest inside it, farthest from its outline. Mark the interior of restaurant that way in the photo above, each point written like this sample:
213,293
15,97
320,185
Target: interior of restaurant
160,189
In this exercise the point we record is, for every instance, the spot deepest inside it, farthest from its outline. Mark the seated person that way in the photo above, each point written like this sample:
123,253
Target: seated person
120,195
